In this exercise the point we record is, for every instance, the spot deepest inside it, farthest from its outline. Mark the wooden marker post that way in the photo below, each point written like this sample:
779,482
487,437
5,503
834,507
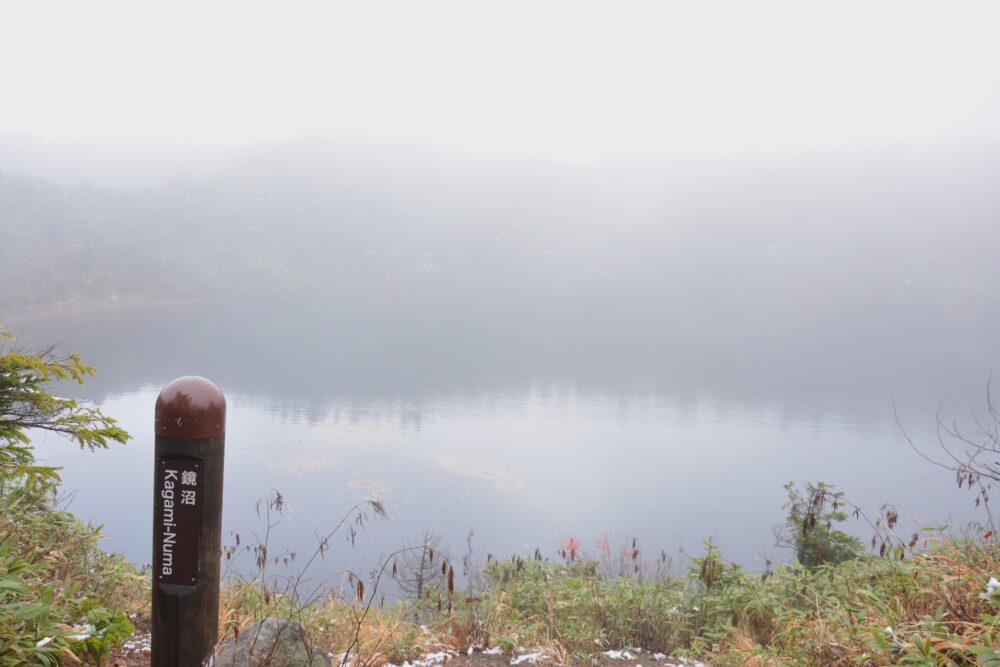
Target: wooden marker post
187,521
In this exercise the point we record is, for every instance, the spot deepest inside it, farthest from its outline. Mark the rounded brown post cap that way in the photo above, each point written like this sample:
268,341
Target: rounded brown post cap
190,408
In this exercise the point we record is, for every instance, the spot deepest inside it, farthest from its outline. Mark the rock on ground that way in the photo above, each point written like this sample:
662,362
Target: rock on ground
274,642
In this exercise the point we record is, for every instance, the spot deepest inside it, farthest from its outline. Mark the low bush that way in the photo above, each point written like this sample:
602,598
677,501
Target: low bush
62,598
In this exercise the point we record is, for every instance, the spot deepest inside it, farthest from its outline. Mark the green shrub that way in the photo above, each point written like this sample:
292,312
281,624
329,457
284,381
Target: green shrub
810,526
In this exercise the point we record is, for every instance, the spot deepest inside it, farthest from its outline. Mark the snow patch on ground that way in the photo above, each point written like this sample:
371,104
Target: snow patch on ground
526,657
619,655
429,660
138,644
631,654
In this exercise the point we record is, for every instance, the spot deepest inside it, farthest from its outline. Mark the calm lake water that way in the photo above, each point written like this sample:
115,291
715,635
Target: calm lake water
521,429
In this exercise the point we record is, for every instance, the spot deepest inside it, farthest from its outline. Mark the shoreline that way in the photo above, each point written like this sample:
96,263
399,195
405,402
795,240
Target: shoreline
105,304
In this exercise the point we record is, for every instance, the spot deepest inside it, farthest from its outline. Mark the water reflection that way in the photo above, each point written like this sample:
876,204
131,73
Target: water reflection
526,431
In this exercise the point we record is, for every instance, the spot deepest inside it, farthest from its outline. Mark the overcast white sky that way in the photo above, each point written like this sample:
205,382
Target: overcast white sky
567,79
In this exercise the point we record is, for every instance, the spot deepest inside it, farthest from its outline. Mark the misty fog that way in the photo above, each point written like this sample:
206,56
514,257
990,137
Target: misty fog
809,269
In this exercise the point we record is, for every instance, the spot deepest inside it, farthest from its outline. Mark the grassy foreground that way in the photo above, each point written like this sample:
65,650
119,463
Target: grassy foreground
937,607
63,600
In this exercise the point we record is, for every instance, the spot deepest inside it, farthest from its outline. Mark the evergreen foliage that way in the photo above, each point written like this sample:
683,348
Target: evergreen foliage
26,403
810,526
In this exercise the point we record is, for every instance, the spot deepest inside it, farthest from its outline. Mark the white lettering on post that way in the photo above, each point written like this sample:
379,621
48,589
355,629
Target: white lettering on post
168,535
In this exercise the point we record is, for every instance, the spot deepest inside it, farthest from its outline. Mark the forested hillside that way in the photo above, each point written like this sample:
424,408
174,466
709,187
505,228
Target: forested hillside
896,237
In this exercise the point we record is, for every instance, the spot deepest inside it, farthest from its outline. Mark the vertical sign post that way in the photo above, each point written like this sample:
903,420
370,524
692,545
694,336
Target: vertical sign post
190,428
